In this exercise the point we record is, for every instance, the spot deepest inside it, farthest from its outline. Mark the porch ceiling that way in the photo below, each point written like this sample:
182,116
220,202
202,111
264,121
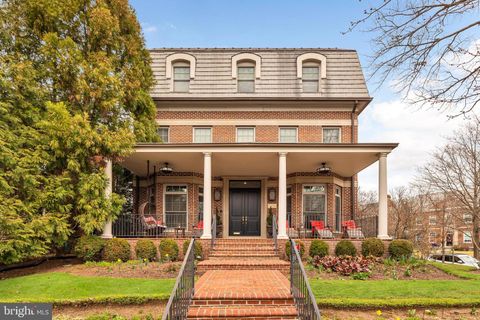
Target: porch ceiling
256,159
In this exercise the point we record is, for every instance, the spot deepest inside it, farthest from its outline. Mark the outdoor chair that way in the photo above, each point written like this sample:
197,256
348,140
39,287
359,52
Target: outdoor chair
198,229
320,231
151,225
350,230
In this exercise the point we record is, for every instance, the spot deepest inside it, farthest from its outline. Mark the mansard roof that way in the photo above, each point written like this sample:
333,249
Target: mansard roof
279,77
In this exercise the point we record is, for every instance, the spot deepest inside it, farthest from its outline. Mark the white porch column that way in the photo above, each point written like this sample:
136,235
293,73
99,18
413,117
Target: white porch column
107,229
382,197
282,196
207,195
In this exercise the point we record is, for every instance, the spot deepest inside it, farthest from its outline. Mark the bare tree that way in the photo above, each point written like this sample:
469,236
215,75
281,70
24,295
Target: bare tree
403,211
430,48
454,169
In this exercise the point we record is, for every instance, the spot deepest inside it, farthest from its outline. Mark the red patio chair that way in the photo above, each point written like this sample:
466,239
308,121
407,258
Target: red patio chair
319,229
351,230
198,229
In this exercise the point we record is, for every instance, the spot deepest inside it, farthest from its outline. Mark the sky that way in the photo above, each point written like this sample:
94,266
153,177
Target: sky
305,23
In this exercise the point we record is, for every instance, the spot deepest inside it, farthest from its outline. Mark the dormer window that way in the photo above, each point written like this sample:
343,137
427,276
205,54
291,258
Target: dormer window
311,68
246,77
180,67
310,77
181,76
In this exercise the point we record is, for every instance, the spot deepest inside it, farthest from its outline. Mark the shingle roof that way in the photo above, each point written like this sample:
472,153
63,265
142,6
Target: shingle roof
213,77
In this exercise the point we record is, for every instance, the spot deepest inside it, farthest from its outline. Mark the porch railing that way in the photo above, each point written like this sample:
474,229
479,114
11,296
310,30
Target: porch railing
274,232
300,288
184,289
133,225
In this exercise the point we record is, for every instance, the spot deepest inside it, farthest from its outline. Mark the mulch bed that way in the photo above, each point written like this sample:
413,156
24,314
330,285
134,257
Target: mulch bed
121,270
383,272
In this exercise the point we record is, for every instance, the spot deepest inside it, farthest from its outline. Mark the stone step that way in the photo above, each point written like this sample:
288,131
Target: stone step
243,312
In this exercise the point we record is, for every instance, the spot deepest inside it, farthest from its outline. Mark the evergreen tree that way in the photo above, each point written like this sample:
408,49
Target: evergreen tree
74,82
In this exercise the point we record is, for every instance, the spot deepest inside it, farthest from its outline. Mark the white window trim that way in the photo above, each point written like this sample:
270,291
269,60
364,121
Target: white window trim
317,192
174,57
287,127
168,132
164,202
254,134
333,127
241,57
312,56
338,195
202,127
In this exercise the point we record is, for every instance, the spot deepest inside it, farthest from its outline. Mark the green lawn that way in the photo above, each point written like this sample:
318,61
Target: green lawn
62,288
457,270
396,293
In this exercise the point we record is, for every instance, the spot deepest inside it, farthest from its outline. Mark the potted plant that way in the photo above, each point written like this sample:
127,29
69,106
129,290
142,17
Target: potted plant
218,217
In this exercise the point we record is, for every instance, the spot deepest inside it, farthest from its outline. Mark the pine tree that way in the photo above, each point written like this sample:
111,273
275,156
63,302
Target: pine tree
74,90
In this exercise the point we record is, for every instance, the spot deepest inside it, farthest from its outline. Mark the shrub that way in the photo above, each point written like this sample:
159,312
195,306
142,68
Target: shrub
345,265
300,245
116,249
400,249
89,248
145,249
345,248
373,247
318,248
198,250
168,250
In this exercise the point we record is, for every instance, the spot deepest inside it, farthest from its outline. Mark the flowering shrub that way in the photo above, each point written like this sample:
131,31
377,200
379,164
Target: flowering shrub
345,265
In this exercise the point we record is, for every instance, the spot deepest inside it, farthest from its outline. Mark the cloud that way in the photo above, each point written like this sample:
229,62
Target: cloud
419,132
149,28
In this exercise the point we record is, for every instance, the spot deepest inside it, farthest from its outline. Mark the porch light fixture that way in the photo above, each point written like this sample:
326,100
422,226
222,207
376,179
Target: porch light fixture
272,194
323,169
217,194
166,169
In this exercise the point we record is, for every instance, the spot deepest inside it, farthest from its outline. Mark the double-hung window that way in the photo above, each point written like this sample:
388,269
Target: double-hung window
314,204
467,237
245,134
163,134
181,77
175,199
246,77
331,135
310,77
202,135
288,135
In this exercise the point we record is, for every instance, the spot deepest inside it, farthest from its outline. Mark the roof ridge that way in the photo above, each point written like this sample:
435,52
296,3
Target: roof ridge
248,49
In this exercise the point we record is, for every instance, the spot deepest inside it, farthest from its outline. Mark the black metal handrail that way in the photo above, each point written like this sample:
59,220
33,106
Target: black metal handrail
184,289
300,288
274,232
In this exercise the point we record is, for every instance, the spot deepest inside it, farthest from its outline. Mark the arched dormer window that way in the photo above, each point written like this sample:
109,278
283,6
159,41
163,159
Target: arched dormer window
246,67
180,67
311,67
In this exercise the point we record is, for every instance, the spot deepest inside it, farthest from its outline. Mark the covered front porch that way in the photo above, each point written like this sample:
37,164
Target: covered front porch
242,187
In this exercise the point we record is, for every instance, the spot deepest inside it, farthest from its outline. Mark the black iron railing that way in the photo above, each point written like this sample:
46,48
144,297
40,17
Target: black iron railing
184,289
138,226
300,288
274,232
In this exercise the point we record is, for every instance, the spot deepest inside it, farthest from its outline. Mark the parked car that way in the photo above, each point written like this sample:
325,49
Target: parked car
461,259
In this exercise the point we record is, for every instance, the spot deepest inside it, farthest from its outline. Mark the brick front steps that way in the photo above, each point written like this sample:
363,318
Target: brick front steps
243,254
242,294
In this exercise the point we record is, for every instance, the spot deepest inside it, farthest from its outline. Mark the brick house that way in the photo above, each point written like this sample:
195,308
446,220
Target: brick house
250,132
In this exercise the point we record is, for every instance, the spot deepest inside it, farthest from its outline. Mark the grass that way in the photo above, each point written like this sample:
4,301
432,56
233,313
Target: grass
64,288
391,293
463,272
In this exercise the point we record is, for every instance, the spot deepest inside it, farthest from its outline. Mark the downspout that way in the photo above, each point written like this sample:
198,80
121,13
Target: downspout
352,141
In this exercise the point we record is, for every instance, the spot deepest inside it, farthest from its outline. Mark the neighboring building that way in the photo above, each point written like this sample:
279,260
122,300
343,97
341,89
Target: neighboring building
443,220
248,131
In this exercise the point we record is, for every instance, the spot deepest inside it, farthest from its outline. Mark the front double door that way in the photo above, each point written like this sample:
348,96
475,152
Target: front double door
244,212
